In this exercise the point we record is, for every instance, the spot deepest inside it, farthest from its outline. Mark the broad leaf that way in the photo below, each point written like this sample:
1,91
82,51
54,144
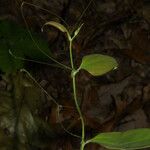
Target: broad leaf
132,139
56,25
97,64
17,39
7,63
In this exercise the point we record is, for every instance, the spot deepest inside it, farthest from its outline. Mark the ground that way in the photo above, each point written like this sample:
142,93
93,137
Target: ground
117,101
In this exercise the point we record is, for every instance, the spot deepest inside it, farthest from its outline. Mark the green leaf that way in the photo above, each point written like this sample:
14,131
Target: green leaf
56,25
132,139
7,63
97,64
17,39
78,30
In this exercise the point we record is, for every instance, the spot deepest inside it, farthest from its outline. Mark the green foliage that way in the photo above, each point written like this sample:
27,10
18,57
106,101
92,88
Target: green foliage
7,63
132,139
77,31
26,122
56,25
17,39
97,64
59,26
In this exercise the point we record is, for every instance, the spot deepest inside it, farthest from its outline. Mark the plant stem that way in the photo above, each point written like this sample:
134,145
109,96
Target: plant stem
73,74
71,56
79,111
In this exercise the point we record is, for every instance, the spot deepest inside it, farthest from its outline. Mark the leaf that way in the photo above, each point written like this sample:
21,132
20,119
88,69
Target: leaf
132,139
17,39
56,25
7,63
78,30
97,64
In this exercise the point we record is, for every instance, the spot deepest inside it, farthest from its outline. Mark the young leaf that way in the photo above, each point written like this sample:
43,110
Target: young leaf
78,30
56,25
98,64
132,139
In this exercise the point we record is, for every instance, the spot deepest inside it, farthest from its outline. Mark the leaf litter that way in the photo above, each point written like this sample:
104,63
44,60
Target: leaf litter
115,102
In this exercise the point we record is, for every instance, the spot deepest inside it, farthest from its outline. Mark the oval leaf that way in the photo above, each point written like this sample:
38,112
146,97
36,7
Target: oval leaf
132,139
98,64
56,25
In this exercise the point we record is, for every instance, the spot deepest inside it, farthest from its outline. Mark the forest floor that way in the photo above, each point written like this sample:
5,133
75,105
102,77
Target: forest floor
117,101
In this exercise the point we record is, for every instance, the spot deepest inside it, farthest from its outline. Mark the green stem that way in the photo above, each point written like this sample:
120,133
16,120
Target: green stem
73,74
80,114
71,56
